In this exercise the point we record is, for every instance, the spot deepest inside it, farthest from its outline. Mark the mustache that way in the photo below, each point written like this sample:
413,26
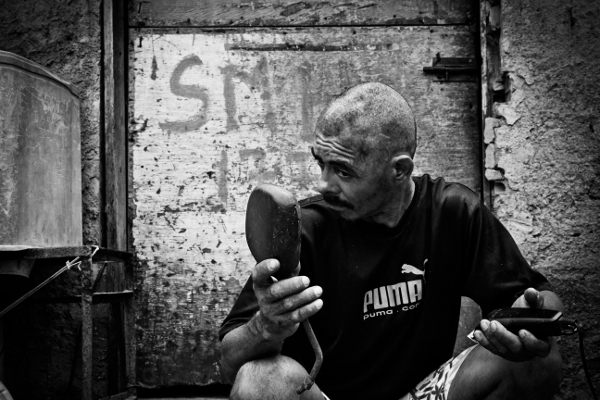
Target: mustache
336,201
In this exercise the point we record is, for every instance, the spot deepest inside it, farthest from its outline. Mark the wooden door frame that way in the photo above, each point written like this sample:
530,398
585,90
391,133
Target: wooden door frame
113,117
114,174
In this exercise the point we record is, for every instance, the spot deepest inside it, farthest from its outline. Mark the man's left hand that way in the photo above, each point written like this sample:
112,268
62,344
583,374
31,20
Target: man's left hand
522,347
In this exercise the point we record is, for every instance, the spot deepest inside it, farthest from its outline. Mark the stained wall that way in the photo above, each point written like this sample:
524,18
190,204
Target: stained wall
543,153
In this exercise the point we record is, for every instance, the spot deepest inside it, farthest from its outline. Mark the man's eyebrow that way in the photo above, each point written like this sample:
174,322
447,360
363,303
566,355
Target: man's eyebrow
335,163
342,164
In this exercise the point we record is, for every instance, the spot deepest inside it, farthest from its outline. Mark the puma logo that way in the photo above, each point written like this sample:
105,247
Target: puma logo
406,295
409,269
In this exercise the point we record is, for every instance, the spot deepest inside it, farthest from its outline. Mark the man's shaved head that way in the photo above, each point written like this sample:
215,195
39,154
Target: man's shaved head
373,118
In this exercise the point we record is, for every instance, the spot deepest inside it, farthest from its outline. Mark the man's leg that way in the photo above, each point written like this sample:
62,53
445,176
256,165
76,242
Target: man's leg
484,375
271,379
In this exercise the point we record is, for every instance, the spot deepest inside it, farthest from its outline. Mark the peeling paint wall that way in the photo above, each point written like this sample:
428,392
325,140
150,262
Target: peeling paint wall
543,154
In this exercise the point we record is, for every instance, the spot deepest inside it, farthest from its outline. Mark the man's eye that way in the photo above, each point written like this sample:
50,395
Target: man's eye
341,173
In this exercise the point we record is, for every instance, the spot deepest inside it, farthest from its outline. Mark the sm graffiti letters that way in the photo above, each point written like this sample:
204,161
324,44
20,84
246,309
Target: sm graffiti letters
189,91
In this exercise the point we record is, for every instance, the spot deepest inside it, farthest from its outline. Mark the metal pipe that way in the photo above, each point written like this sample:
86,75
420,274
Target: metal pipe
310,379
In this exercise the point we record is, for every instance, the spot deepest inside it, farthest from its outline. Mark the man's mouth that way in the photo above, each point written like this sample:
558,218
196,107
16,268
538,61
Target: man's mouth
337,202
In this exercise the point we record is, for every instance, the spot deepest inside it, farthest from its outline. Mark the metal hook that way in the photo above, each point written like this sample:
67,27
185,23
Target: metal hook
73,263
96,248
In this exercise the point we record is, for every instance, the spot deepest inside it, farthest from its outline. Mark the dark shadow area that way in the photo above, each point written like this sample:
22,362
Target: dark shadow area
214,390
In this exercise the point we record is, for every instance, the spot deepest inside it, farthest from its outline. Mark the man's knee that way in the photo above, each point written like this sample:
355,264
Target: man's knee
486,376
536,379
541,377
270,378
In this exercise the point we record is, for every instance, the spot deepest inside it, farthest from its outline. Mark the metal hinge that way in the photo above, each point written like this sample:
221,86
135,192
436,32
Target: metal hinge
452,69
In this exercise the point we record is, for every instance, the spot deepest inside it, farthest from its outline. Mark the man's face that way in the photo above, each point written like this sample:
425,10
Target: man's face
356,188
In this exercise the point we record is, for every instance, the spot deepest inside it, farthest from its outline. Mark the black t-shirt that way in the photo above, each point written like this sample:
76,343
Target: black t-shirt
391,296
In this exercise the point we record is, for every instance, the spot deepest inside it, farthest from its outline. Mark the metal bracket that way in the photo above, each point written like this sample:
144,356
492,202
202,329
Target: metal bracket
452,69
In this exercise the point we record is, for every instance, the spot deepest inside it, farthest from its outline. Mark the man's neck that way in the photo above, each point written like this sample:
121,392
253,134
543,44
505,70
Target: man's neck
399,203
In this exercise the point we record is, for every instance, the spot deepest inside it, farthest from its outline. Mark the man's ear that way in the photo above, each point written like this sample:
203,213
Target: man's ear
403,166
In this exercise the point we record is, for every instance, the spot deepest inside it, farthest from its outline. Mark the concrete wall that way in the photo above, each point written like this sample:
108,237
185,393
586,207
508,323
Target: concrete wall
544,149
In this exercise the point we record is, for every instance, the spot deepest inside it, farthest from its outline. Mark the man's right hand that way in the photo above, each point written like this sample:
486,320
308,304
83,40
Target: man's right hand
283,304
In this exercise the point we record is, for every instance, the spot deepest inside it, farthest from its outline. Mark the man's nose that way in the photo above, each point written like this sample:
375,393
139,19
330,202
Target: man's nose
326,182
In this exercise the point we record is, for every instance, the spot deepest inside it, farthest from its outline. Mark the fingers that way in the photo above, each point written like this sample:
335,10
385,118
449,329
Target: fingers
291,296
498,340
533,298
288,296
506,342
269,291
265,269
283,304
262,272
306,311
281,316
286,287
536,346
296,301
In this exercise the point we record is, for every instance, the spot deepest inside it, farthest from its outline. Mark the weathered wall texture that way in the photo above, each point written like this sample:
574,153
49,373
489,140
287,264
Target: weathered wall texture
545,150
41,340
293,12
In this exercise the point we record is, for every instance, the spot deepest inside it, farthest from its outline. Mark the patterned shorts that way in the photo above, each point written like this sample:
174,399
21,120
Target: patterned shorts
436,385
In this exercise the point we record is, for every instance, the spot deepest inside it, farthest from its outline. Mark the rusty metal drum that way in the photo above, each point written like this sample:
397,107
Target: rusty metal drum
40,157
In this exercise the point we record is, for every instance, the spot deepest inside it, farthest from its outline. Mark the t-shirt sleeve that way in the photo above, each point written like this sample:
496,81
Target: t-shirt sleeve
496,271
243,309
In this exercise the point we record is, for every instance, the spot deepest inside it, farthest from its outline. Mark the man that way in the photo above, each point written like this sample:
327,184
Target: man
385,259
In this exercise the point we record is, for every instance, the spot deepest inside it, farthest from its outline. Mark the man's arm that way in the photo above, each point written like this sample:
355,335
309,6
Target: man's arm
524,346
282,306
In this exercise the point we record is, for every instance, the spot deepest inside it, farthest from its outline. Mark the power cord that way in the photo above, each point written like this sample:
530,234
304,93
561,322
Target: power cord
569,327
